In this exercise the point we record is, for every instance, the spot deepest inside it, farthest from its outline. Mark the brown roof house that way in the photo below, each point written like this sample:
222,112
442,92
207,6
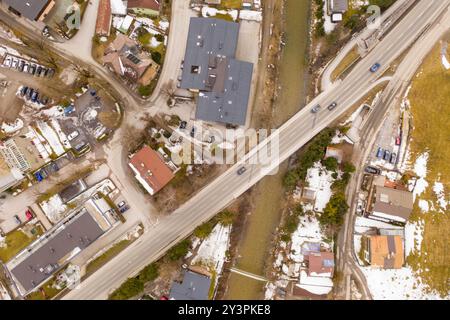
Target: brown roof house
125,58
390,205
316,279
384,251
150,169
146,7
104,19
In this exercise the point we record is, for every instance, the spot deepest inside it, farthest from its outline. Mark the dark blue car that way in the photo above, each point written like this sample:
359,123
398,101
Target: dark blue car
38,176
380,153
375,67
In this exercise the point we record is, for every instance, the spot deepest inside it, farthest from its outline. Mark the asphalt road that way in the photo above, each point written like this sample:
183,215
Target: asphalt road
292,136
391,98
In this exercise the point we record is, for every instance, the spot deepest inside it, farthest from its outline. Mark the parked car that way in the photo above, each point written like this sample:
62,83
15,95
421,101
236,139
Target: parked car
124,208
15,63
375,67
380,153
39,176
32,69
387,155
332,106
38,71
7,62
43,100
21,65
315,109
73,135
42,73
29,215
34,96
372,170
30,92
393,158
183,124
241,170
193,132
121,204
26,67
51,73
398,141
18,221
23,91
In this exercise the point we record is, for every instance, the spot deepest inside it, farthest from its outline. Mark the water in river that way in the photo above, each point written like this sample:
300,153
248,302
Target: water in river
254,247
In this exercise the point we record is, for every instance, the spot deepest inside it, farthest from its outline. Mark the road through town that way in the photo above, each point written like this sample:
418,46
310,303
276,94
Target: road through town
290,137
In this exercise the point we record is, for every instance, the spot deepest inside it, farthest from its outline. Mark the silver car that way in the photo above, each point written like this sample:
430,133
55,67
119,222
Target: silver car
315,109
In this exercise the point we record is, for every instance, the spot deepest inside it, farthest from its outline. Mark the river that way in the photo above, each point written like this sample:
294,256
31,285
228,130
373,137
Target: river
254,247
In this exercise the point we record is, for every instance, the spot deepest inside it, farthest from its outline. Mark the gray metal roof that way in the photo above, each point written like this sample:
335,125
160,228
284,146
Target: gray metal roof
339,5
195,286
28,8
207,37
79,232
229,106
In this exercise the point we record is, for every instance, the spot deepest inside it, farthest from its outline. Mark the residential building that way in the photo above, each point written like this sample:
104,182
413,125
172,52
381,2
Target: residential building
150,169
8,177
36,10
125,59
390,205
144,7
384,251
195,286
337,9
40,260
320,264
104,19
211,69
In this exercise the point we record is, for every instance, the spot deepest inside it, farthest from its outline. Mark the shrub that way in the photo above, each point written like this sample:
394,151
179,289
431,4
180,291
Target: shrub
179,251
128,289
204,230
156,56
149,273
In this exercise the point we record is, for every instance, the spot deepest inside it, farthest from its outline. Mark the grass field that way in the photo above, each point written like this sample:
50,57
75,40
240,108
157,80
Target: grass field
15,242
107,256
346,63
430,108
230,4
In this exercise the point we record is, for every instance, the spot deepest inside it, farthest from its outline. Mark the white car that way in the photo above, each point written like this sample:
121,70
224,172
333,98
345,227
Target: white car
26,67
73,135
7,62
15,63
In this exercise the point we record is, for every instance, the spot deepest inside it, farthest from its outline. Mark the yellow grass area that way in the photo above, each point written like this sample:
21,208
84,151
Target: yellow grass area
430,108
231,4
346,63
16,241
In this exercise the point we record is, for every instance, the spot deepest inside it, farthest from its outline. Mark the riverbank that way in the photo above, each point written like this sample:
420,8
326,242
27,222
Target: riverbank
253,249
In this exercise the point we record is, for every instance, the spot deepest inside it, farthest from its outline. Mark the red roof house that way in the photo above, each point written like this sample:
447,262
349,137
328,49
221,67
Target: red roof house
321,264
104,18
150,169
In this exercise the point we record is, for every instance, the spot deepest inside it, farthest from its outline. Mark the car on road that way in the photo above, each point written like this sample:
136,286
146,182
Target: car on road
241,170
315,109
387,155
373,170
332,106
380,153
183,125
375,67
73,135
18,221
393,158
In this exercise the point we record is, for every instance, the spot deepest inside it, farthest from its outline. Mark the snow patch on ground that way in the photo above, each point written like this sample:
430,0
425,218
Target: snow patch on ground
321,180
396,284
420,169
53,208
438,189
424,206
413,237
212,251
